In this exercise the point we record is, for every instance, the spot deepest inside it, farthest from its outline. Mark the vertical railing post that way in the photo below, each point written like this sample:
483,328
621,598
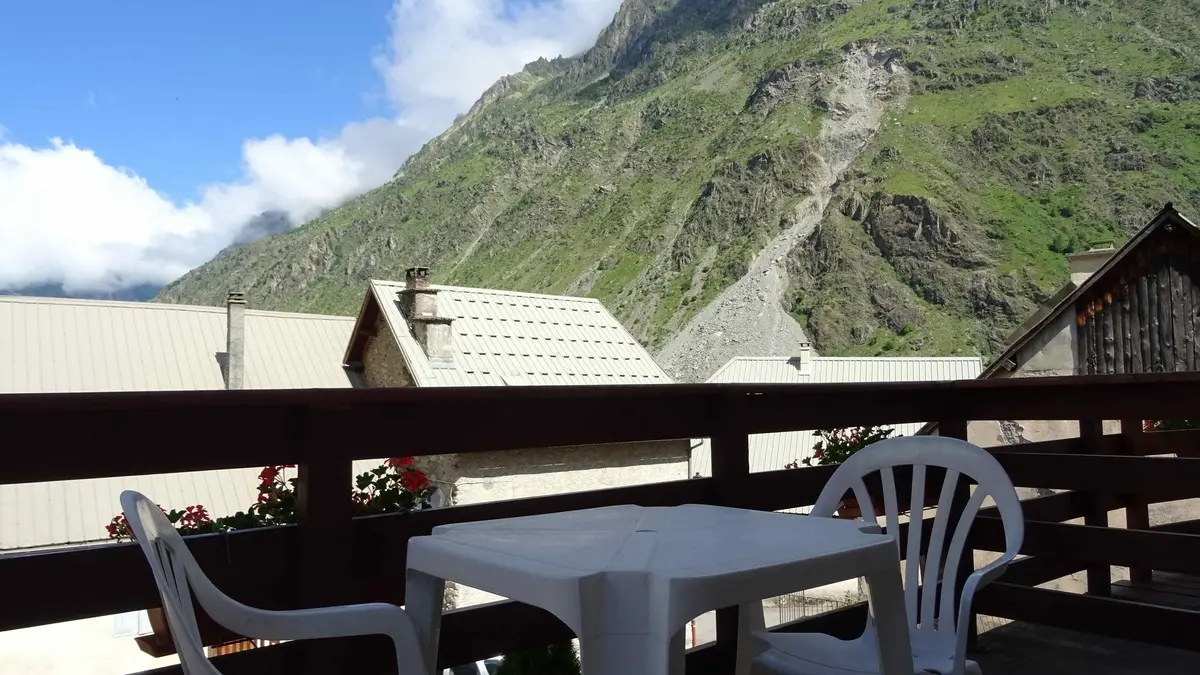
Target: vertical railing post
1099,575
325,544
1137,513
730,469
962,494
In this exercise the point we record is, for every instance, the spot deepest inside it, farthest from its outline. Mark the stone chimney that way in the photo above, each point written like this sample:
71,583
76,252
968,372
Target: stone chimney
419,304
1084,265
805,358
235,339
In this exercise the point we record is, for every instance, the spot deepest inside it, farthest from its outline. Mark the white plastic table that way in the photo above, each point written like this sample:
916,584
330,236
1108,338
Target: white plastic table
627,579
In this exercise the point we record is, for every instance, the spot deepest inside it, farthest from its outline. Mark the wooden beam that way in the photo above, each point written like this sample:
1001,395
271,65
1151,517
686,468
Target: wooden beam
259,567
1039,570
1165,324
1107,336
1105,445
69,426
791,488
1181,442
1137,475
730,471
1139,325
1055,508
255,567
1084,545
1120,312
1182,527
1181,309
1090,614
1099,574
323,510
1137,511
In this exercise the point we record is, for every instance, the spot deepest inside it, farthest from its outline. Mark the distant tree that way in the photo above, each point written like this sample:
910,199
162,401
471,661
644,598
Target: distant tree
556,659
1061,243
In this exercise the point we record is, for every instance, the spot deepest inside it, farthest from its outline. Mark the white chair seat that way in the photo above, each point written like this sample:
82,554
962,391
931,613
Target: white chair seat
816,654
937,646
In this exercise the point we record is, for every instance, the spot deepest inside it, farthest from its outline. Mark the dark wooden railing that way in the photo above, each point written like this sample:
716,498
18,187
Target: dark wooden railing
332,558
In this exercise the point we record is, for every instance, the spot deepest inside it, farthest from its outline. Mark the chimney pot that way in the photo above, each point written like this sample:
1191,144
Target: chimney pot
805,357
235,339
416,278
419,304
1085,264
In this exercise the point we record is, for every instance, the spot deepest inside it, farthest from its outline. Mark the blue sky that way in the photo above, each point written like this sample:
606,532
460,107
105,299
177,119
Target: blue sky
137,138
172,89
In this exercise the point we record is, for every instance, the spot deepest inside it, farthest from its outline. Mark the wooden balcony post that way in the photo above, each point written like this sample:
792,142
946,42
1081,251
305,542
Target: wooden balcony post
324,531
962,494
730,469
1099,577
1137,513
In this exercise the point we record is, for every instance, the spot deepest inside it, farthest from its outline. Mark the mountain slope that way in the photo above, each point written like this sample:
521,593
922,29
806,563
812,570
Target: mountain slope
699,141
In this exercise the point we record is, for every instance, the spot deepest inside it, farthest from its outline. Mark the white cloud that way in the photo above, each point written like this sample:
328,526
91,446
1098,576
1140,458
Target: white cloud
67,216
445,53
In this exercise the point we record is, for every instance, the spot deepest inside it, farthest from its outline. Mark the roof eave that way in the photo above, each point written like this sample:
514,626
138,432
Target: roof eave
362,327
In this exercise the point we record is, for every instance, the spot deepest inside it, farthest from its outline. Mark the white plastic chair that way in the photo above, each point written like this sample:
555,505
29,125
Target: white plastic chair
178,576
938,647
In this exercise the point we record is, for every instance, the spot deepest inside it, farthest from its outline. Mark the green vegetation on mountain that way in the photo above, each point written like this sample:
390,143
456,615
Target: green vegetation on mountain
649,171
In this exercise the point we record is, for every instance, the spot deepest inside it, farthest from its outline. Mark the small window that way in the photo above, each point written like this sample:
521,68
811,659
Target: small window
468,669
492,666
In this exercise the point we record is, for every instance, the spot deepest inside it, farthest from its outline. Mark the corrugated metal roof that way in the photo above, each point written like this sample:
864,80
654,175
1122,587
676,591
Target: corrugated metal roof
65,345
50,345
507,338
71,512
770,452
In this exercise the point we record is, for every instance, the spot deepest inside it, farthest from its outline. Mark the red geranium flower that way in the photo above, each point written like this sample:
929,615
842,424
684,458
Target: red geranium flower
414,480
397,462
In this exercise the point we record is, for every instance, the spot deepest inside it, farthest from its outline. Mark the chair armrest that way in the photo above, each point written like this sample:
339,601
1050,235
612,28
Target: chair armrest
322,622
978,579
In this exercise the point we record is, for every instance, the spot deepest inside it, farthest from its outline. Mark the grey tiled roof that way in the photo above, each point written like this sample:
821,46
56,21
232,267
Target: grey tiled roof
508,338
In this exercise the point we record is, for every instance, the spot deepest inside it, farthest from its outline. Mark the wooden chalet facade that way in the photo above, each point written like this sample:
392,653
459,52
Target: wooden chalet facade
1139,314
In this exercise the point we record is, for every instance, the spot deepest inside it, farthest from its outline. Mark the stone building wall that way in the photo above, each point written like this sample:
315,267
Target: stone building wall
383,364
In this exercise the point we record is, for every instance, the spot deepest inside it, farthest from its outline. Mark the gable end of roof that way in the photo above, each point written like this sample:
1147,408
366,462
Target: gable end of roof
1167,217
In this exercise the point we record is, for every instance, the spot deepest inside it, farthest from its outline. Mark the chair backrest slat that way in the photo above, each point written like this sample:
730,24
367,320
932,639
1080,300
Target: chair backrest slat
955,551
912,572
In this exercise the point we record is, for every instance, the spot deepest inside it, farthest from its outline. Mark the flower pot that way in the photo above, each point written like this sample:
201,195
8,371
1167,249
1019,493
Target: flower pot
159,642
850,509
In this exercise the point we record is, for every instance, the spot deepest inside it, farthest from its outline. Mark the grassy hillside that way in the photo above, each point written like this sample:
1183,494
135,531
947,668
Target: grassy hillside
649,171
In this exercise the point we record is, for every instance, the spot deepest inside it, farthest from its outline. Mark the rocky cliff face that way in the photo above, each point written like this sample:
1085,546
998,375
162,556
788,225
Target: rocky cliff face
887,176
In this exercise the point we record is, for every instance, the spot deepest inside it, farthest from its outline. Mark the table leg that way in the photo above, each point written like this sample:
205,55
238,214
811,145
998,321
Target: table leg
886,593
678,654
423,598
624,654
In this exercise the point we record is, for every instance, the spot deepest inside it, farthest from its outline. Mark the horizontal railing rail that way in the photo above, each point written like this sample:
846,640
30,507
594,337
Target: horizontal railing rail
248,428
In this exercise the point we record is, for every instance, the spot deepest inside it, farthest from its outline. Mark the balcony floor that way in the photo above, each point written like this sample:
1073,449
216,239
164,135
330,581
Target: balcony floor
1014,648
1026,649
